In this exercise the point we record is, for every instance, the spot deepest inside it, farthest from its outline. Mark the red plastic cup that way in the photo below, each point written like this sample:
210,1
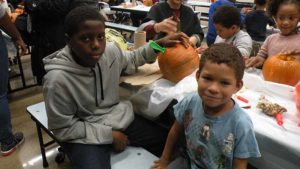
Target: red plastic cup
297,98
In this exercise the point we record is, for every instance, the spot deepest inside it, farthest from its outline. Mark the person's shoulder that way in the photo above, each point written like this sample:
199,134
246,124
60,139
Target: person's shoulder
159,5
191,97
55,77
243,35
240,116
273,36
187,8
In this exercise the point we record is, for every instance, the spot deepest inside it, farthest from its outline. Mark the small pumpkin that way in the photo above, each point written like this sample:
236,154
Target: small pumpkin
283,69
178,62
147,2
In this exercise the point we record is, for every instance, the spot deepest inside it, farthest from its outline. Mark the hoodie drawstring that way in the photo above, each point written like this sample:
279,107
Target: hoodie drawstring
101,84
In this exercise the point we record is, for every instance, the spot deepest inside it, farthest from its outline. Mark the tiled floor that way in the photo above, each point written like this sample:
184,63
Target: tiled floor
27,156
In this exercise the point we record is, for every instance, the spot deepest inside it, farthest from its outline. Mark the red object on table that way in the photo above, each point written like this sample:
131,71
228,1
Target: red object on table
279,120
297,98
242,99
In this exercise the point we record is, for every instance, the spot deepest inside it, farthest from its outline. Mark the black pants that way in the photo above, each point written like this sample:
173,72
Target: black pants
141,133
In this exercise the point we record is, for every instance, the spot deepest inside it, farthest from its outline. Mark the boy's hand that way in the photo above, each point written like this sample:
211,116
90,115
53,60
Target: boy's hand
171,40
21,46
167,25
256,61
120,141
201,49
160,164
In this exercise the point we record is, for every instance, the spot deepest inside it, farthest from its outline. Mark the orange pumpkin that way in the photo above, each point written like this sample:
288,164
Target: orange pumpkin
147,2
178,62
282,69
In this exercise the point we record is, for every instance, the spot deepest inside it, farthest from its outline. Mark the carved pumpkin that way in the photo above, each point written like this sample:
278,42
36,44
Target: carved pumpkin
282,69
178,62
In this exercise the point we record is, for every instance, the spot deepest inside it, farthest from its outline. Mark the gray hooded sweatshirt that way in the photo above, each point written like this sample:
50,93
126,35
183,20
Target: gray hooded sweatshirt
82,103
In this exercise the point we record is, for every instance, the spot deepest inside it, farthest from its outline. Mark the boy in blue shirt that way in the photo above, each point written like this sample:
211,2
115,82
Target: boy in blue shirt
219,134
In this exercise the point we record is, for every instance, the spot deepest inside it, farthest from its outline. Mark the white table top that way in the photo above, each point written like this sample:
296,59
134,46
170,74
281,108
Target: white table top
198,3
138,8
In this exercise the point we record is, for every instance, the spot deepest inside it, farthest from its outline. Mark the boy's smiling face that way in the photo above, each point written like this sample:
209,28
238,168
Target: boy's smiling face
216,84
88,43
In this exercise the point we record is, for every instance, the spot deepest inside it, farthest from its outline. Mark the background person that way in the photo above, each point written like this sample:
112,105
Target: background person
9,141
170,17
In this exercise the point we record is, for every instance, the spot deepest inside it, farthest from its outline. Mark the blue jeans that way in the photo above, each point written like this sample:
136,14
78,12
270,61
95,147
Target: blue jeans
141,133
5,120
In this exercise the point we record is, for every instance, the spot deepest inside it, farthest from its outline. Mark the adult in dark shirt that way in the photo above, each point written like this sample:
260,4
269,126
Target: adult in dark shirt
256,21
48,28
172,16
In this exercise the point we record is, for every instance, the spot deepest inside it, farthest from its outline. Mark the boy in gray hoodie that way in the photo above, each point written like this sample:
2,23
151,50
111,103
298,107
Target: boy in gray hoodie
81,92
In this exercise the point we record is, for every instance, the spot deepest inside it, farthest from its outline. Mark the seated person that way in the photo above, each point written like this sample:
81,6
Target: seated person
227,23
172,16
81,92
212,33
218,133
256,21
287,41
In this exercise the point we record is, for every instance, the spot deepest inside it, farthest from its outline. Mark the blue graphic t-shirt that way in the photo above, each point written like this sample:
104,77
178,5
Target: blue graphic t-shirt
214,141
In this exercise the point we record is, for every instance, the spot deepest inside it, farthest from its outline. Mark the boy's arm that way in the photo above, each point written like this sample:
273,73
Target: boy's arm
131,60
173,136
244,44
240,163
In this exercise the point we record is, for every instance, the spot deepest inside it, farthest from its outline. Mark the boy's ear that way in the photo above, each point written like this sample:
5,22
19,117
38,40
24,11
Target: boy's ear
197,75
233,27
67,38
239,85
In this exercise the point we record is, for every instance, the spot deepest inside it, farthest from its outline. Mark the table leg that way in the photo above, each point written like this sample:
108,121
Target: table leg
41,141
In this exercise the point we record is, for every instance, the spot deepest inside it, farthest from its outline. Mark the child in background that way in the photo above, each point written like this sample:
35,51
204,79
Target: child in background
227,23
219,134
287,41
212,33
81,92
256,21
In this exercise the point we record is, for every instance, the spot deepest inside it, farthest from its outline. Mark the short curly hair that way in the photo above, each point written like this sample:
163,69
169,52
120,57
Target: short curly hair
224,53
79,15
227,16
273,5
